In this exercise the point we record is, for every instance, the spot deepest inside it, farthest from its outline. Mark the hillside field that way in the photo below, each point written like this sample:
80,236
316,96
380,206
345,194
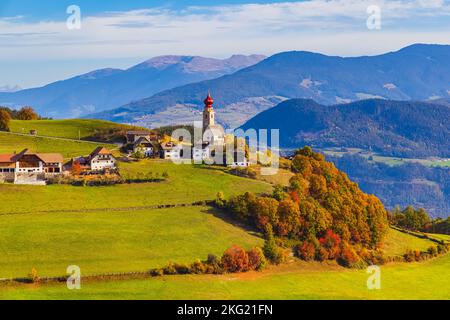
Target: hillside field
115,229
71,129
186,184
426,280
10,143
105,242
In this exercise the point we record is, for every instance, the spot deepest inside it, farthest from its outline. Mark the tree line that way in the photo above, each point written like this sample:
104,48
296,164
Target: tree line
321,214
8,114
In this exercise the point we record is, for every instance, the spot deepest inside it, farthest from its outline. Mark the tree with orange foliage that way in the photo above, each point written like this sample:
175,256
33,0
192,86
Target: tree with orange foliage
235,259
76,168
27,113
331,243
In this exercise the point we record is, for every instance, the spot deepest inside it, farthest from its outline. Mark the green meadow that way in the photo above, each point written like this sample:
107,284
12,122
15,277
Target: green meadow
186,184
115,229
10,143
71,129
299,280
397,243
112,242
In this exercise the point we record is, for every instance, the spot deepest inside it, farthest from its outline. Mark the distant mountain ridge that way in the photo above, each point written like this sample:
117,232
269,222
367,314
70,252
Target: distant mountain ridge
108,88
417,72
394,128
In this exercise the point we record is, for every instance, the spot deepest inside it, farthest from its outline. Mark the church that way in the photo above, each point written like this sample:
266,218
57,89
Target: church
209,147
213,135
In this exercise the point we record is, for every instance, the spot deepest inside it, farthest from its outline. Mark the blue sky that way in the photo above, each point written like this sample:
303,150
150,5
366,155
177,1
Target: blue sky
36,47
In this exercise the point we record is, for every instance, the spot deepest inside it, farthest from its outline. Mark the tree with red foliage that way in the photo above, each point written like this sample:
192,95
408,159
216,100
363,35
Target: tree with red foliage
235,259
76,168
256,259
306,251
331,243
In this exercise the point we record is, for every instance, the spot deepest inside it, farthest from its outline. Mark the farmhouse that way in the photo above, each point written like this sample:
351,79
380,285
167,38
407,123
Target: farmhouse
171,150
145,146
27,167
134,135
101,160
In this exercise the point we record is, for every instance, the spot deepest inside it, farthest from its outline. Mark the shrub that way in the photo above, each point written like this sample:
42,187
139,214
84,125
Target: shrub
34,276
348,257
322,254
182,268
270,249
305,251
170,269
433,250
157,272
235,259
198,267
220,201
256,259
214,264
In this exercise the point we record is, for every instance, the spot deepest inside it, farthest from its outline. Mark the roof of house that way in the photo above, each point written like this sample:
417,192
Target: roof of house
100,151
168,145
45,157
51,157
142,140
139,132
6,157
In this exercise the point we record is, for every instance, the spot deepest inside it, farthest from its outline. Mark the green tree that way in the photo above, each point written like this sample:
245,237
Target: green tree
270,249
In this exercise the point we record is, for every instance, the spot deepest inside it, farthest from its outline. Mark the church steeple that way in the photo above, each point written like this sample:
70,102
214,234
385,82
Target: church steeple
209,101
208,113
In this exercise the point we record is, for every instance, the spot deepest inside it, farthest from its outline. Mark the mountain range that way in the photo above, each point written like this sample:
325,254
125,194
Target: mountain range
109,88
417,72
393,128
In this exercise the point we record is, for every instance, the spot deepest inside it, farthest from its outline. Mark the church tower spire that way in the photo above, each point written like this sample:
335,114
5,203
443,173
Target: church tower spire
208,113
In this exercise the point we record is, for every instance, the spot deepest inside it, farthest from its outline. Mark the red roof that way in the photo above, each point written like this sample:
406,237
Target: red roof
6,157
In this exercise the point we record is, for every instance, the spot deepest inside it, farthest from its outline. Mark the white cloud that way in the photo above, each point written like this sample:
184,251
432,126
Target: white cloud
334,26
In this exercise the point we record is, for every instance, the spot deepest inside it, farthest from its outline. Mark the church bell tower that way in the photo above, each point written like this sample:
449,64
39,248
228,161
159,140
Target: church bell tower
208,113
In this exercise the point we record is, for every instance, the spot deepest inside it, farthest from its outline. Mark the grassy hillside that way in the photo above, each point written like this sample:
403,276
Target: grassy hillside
10,143
426,280
71,129
397,243
102,242
186,184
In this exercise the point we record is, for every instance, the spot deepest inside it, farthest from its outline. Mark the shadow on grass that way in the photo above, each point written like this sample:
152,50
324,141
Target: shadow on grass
225,216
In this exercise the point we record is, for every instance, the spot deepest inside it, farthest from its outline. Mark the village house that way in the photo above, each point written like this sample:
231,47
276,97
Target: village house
29,168
145,146
101,160
171,150
142,141
134,135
